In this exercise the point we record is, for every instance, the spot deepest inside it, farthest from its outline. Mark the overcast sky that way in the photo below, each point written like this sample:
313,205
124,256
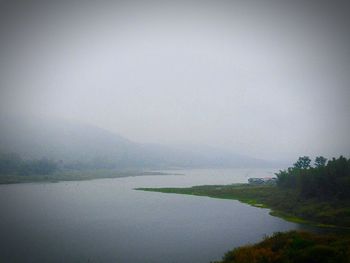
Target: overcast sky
264,78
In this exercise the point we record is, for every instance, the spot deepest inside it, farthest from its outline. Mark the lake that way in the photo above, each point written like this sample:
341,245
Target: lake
105,220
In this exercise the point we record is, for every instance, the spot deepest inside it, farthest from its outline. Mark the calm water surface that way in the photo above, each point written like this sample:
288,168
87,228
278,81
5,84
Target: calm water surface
106,220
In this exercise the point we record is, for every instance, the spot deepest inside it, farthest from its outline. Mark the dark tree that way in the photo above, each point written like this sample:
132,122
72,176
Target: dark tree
329,180
320,161
303,162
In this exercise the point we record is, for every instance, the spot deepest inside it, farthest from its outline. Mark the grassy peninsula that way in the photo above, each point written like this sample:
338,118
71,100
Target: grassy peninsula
284,203
318,195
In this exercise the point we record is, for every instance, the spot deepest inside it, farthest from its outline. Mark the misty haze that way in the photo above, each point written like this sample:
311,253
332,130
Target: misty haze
174,131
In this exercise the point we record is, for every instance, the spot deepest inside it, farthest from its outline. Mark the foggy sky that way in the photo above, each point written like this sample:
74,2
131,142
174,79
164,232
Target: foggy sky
264,78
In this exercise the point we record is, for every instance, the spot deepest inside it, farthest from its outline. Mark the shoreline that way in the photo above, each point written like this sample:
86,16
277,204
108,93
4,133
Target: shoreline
77,176
220,192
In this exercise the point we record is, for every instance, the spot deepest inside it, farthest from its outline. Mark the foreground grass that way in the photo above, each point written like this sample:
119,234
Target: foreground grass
284,203
293,247
75,175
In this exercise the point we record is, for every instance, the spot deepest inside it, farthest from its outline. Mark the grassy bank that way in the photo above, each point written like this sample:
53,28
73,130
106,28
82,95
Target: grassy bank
293,247
284,203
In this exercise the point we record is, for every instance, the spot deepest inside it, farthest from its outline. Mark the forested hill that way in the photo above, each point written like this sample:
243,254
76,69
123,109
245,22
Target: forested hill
83,144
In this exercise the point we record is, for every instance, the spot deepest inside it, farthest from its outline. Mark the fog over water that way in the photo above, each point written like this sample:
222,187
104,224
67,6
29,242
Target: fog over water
211,92
263,78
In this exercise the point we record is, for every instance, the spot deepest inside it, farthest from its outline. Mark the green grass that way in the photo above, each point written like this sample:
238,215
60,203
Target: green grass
283,203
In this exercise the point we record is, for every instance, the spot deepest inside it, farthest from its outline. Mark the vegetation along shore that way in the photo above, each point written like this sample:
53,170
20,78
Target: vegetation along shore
14,169
317,195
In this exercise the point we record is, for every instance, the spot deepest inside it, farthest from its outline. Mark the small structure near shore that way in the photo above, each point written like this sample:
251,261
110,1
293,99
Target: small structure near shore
264,180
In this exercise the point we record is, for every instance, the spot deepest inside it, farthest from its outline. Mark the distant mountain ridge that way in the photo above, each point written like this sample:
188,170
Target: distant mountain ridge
70,141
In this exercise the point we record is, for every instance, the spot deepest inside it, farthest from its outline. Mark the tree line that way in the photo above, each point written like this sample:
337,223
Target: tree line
13,164
322,180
